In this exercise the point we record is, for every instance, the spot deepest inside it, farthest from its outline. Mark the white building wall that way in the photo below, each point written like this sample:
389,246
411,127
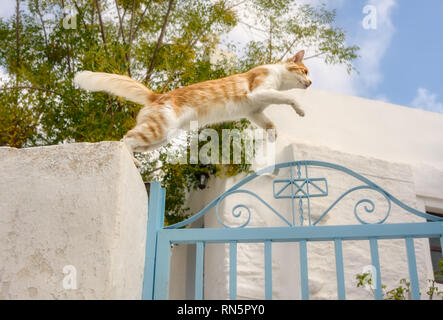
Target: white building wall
85,205
398,148
363,127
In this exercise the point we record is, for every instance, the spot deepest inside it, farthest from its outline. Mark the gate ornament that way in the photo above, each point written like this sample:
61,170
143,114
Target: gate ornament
299,188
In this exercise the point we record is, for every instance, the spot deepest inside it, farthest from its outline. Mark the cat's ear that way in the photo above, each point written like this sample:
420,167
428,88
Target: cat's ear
298,57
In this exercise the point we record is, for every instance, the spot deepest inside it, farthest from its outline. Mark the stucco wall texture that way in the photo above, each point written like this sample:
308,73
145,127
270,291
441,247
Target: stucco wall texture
85,206
79,207
398,148
395,178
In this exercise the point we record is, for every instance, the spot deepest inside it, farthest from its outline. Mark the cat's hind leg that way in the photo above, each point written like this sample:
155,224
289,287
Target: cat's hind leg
143,137
132,144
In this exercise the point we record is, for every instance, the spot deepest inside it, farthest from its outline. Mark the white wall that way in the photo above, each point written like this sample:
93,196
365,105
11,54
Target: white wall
396,147
85,205
395,178
363,127
81,204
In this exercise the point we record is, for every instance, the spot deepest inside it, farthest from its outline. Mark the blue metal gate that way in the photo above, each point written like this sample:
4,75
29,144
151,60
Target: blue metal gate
298,188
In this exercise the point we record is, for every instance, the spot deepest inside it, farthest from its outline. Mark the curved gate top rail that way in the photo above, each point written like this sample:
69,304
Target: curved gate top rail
300,187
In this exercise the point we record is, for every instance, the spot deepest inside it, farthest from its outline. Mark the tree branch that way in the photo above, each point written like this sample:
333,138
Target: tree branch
141,19
315,55
102,29
132,21
288,49
124,14
92,15
68,48
17,38
237,4
78,10
131,24
41,20
252,27
270,40
154,170
122,32
120,22
159,42
192,41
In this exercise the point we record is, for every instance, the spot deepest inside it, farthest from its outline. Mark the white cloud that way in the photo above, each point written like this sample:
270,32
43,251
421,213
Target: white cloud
427,100
326,77
330,77
374,45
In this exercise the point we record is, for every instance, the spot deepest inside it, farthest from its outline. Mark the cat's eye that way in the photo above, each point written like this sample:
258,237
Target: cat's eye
305,72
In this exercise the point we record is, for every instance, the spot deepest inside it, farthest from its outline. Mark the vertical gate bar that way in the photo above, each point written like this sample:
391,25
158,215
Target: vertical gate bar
304,270
339,269
233,270
268,270
292,197
376,264
308,197
199,258
412,263
441,241
155,223
162,266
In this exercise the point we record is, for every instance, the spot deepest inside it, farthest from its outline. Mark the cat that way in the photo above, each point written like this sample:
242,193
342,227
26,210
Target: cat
238,96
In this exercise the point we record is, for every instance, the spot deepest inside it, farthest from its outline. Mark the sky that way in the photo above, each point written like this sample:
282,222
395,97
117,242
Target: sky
401,56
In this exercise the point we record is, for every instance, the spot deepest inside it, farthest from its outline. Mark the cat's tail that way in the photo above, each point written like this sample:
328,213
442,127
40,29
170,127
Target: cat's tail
115,84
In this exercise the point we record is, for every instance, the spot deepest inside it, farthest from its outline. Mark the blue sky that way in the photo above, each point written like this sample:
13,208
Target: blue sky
411,67
401,60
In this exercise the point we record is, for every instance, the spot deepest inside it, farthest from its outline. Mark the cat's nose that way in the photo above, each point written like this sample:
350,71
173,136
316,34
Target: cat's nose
308,83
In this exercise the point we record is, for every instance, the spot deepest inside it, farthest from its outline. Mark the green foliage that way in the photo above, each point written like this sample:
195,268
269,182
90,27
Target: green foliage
181,178
439,272
364,279
18,125
162,43
399,293
403,290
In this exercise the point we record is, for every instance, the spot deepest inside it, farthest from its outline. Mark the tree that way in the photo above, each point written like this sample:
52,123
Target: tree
163,43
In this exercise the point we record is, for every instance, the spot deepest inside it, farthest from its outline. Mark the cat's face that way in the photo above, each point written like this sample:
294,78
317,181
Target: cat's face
297,75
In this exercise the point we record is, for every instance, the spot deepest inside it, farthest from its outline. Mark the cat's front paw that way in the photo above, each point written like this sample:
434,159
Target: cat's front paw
297,109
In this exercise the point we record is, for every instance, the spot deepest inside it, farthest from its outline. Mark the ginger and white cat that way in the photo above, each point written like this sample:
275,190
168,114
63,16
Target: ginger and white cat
239,96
